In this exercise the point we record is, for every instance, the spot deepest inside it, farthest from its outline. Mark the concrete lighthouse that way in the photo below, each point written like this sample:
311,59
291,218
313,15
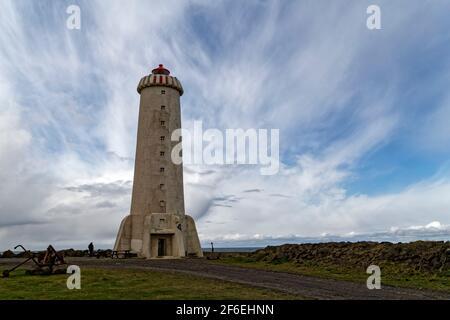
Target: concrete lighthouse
157,225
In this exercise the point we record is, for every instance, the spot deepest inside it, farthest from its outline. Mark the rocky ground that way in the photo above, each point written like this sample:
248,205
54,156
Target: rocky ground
423,256
304,286
429,256
65,253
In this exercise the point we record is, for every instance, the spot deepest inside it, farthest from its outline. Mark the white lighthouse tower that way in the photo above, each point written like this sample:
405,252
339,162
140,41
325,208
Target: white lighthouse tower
157,225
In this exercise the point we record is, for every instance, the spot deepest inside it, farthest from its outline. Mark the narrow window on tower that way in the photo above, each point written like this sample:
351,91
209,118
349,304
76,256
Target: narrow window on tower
163,123
161,186
162,138
163,107
162,153
162,203
161,169
163,91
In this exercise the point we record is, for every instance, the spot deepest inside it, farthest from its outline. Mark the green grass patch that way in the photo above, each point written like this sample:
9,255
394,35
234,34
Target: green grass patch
129,284
391,274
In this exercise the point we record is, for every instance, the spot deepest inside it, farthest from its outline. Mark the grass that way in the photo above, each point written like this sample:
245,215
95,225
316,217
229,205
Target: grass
128,284
391,274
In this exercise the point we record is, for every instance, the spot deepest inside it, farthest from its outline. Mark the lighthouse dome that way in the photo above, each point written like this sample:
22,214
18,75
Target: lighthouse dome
160,77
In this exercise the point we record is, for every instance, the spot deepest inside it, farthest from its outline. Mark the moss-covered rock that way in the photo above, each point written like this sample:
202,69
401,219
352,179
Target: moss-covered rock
420,255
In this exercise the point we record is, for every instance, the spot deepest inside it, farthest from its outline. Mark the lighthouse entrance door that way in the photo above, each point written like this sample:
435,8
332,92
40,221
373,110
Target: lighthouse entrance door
161,247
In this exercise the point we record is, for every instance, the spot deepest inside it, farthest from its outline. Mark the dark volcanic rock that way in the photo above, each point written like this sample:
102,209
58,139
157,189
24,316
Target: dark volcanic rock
420,255
8,254
75,253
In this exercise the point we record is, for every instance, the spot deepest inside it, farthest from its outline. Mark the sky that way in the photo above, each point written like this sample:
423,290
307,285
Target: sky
363,117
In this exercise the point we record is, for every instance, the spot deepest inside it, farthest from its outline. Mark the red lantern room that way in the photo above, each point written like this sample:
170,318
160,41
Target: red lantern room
161,70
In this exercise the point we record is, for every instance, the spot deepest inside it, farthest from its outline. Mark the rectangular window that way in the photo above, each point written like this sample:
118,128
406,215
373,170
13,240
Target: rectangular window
161,169
162,153
163,123
161,186
163,91
163,107
162,138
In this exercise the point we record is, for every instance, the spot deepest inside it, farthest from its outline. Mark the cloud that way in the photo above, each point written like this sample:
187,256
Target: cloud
112,189
279,195
309,214
395,234
105,204
338,92
253,190
435,132
20,223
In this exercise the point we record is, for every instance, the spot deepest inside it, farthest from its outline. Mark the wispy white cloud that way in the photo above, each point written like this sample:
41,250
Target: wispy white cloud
69,112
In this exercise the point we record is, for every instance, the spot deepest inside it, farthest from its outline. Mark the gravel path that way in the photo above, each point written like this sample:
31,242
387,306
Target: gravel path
305,286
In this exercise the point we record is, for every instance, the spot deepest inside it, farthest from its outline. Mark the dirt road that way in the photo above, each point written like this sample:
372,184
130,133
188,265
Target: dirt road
305,286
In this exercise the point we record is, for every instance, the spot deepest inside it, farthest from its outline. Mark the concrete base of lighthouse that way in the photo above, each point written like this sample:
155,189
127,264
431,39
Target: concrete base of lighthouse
159,235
